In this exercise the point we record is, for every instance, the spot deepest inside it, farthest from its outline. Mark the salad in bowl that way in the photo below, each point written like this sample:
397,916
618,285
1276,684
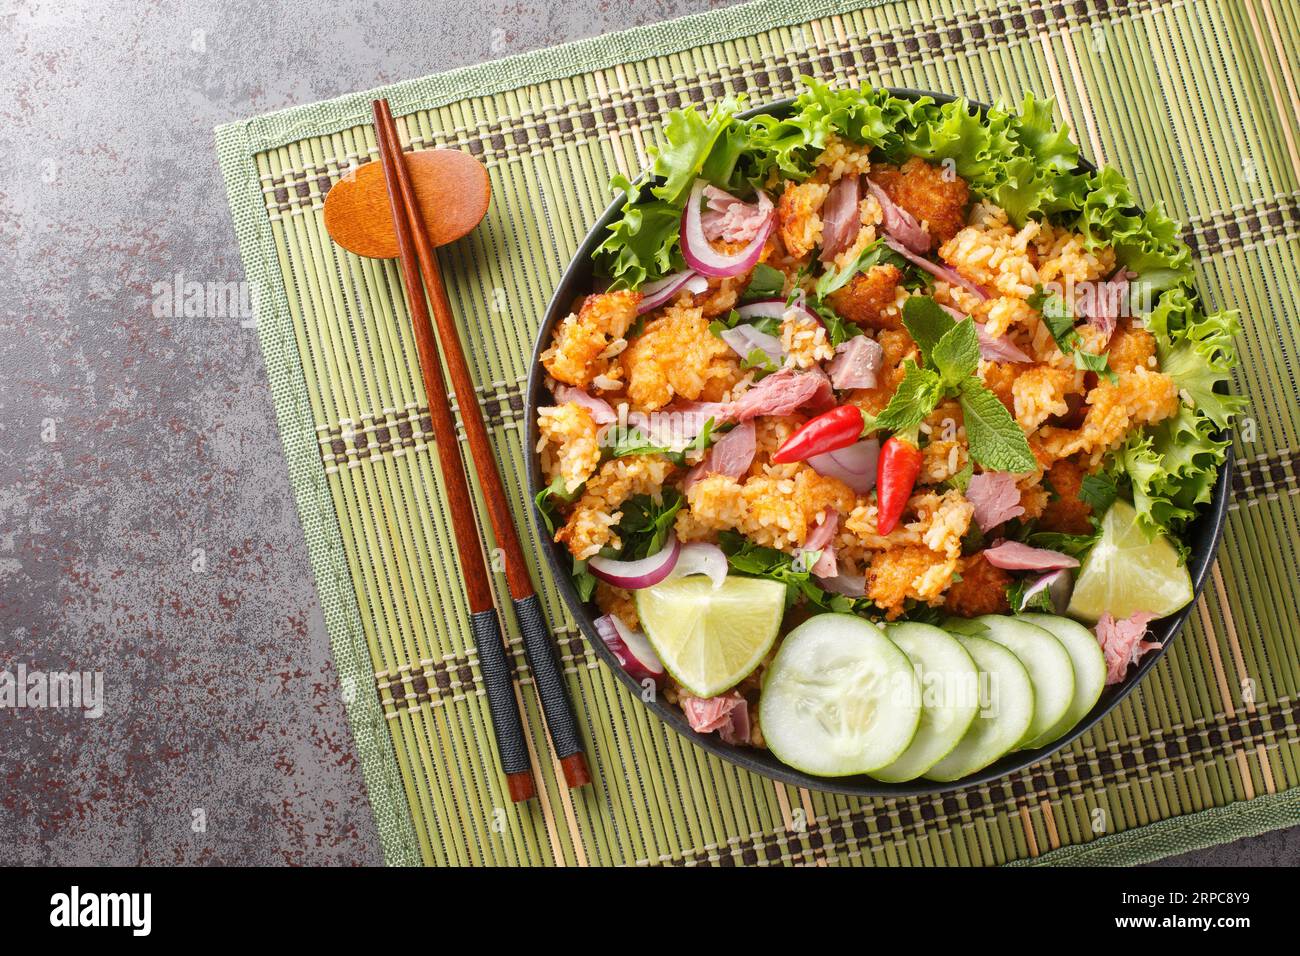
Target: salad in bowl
877,432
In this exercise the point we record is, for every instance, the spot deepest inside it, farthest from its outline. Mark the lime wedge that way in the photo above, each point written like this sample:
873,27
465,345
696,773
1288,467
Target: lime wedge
710,640
1125,573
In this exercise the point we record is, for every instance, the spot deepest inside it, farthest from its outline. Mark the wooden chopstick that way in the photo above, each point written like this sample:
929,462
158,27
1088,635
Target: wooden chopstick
538,650
512,747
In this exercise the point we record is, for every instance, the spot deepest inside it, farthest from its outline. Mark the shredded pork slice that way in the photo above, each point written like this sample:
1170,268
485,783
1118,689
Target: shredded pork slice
602,413
1104,306
841,217
784,392
999,349
1122,644
856,363
1014,556
731,455
822,538
995,497
728,715
899,223
730,219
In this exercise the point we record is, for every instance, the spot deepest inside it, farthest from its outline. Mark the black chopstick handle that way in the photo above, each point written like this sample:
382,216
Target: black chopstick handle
495,667
546,674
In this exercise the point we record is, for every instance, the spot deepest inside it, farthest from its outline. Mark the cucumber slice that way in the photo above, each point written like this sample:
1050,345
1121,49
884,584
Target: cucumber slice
1089,670
949,697
1046,660
1005,714
839,698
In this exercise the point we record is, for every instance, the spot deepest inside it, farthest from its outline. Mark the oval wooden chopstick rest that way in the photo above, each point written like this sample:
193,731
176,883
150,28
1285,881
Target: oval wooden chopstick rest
451,186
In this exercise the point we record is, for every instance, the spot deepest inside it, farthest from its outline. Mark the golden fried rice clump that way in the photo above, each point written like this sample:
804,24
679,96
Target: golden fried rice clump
1131,348
721,295
804,340
776,512
1000,314
618,602
591,523
1063,259
946,452
935,196
873,299
993,254
1139,397
981,590
584,343
1066,512
1039,393
798,218
842,157
568,445
676,356
922,571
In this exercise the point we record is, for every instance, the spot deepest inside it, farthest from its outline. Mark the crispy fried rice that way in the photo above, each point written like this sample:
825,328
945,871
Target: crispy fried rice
1075,419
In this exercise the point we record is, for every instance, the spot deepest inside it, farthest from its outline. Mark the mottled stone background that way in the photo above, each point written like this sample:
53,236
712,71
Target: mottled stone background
146,525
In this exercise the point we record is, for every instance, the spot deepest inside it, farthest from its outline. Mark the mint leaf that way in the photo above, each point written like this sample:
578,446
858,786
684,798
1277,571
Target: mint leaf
927,322
915,397
956,356
995,440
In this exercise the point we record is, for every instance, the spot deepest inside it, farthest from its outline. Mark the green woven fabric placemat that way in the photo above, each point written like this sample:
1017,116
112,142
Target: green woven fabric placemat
1194,100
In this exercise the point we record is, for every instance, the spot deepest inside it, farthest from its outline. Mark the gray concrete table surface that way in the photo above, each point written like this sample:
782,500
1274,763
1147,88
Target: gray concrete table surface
147,528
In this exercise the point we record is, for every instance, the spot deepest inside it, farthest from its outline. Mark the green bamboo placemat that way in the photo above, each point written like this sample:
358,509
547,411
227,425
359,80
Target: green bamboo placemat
1194,100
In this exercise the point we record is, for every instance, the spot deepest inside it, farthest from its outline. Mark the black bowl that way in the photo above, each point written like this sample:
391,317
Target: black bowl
1202,536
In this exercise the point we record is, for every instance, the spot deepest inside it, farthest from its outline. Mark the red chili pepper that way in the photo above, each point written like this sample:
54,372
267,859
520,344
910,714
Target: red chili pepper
838,428
896,470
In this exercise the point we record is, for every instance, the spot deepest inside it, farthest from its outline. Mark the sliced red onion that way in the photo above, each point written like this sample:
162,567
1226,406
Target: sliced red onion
744,338
1014,556
634,575
702,257
850,585
1058,585
763,309
947,274
631,648
601,411
899,223
665,290
702,558
854,465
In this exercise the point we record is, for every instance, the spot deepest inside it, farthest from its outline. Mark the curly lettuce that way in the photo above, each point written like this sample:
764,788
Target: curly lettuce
1171,467
1023,161
642,244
